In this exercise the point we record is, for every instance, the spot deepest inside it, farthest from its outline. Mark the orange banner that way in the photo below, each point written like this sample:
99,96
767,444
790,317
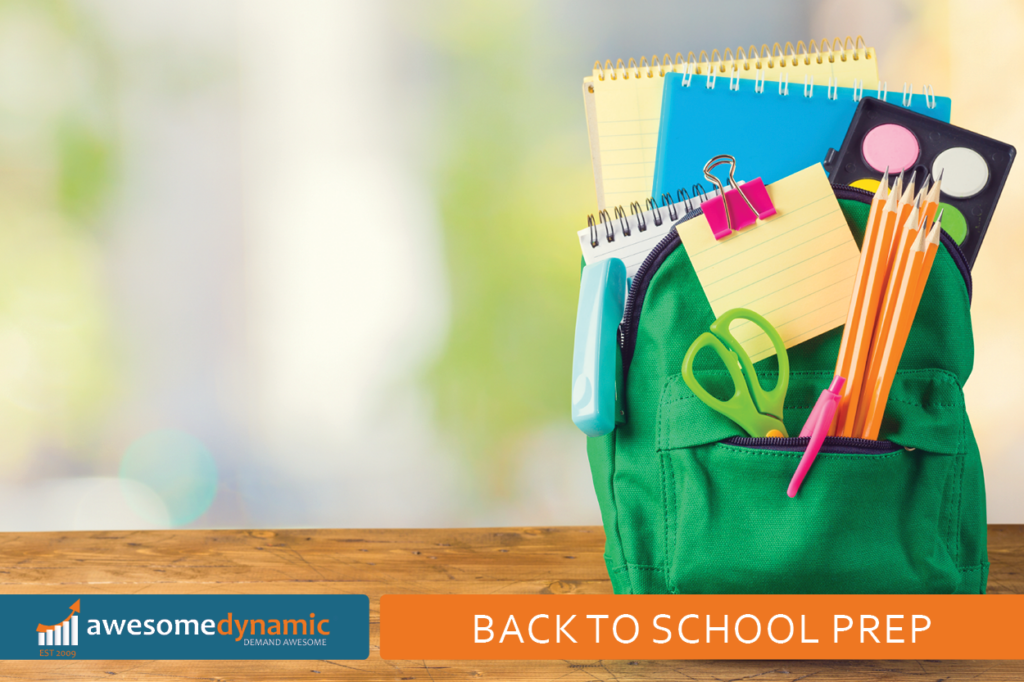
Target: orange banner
509,627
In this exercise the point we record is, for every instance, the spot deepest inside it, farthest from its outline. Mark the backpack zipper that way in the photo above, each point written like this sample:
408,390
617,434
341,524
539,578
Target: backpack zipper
642,278
839,445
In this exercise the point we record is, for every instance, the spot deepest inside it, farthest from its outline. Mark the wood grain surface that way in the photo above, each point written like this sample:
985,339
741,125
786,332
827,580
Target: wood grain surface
375,562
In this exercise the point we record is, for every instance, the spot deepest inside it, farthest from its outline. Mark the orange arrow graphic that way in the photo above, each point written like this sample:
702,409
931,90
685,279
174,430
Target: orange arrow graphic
75,608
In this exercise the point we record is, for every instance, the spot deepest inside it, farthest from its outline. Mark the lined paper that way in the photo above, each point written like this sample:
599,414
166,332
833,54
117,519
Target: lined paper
625,128
623,116
796,268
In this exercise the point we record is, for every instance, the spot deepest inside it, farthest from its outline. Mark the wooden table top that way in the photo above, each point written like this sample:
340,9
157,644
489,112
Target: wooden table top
565,560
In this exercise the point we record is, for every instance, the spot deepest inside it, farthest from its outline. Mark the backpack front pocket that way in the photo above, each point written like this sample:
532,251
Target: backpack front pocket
871,517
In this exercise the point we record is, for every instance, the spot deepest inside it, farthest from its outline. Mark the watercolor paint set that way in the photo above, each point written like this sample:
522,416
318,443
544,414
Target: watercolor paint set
973,168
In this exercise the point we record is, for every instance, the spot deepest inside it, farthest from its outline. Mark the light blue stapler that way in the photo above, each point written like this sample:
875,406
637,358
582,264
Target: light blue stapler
596,348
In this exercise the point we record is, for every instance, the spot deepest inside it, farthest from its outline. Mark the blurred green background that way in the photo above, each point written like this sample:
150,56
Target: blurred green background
281,264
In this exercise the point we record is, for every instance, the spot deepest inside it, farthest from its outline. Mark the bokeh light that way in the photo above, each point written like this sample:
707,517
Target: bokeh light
175,466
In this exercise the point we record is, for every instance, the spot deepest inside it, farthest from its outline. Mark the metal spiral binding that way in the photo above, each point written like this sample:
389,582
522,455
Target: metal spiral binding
929,96
637,210
666,201
623,223
605,219
687,76
832,92
652,206
776,56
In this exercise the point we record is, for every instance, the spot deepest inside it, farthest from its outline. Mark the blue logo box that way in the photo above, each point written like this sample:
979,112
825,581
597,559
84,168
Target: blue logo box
185,627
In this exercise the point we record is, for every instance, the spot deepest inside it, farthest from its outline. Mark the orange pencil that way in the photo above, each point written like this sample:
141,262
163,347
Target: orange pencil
929,256
922,194
903,237
860,337
903,210
871,231
904,242
907,199
932,200
914,279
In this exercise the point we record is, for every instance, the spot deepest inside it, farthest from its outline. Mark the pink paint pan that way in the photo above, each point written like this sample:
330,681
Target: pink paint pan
973,167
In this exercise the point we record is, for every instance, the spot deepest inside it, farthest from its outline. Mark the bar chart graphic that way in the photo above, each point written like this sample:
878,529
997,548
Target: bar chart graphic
64,633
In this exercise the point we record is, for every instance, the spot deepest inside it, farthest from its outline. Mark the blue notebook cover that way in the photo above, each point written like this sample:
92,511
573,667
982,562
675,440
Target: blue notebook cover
771,135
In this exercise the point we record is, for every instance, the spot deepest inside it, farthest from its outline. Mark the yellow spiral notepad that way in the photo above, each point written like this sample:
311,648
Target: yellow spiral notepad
623,102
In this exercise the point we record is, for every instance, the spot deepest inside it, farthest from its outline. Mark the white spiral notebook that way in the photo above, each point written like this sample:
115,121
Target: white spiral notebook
630,236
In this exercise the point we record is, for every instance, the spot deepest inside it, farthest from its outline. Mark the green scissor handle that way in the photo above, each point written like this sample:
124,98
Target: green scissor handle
757,411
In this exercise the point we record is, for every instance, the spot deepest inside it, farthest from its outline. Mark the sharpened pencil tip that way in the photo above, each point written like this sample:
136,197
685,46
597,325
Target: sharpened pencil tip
922,240
921,195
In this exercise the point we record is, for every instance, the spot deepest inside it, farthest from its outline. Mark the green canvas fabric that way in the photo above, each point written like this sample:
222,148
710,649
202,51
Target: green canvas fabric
685,512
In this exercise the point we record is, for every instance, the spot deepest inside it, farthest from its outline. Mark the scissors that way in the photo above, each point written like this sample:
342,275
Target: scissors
758,412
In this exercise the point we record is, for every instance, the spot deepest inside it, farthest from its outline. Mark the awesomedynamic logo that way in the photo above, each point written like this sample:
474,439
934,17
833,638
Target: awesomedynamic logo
185,627
249,631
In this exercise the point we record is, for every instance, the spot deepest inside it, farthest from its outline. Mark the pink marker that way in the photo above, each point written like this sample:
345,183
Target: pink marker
816,426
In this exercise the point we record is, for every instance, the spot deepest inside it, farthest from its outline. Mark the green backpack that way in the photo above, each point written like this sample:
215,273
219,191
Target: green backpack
691,505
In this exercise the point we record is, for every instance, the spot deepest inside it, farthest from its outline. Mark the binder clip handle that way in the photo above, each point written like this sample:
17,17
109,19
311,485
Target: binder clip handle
749,204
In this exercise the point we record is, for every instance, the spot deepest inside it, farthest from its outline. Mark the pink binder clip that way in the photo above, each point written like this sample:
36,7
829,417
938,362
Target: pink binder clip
741,208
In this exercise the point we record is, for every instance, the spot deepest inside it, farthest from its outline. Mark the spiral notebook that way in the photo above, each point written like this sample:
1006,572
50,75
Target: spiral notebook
771,133
623,102
631,237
